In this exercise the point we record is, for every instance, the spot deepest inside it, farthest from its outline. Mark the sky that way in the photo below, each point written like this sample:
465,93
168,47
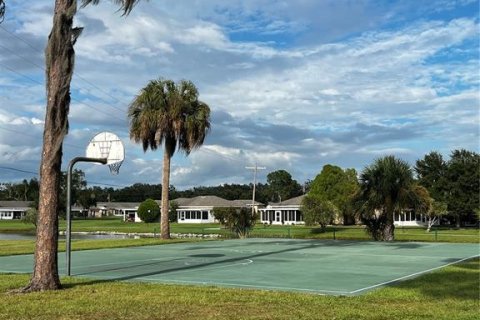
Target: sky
291,85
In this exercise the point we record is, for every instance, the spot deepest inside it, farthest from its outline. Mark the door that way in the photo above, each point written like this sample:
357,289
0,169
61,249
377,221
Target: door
278,216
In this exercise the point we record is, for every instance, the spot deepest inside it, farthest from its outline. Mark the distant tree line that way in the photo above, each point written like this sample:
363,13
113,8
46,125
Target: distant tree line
439,189
450,189
280,186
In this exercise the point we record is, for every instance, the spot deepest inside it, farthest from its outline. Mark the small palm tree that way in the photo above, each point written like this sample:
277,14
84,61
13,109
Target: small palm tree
170,114
386,187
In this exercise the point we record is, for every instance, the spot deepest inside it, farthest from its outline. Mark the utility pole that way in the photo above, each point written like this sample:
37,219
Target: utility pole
255,169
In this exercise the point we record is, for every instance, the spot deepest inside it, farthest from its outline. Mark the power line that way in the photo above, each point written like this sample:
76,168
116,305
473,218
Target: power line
18,170
31,136
36,174
43,69
255,169
72,98
75,73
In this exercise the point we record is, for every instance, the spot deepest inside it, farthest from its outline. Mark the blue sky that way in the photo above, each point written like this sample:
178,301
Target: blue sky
292,85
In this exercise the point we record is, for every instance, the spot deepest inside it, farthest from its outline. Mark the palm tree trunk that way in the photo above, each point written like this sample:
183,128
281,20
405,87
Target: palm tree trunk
164,223
389,231
59,59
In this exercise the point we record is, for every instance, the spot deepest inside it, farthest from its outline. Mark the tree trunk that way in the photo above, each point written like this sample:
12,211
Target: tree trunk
59,59
389,231
164,223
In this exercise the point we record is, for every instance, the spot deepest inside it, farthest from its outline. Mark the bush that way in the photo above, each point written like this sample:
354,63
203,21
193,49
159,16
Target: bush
31,216
172,211
149,211
239,221
317,210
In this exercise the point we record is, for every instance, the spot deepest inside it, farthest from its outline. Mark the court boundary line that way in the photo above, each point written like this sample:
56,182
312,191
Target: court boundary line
411,275
224,284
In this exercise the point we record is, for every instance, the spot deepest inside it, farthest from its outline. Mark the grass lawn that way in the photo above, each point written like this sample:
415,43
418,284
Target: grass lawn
337,232
13,247
450,293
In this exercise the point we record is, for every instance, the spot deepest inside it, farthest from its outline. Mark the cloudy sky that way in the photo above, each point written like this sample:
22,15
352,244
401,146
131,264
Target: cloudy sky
292,85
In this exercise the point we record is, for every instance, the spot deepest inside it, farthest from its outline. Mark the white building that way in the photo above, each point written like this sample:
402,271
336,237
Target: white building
10,210
127,210
410,219
285,212
200,209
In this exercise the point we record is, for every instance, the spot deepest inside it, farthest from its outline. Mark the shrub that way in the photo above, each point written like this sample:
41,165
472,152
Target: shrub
149,211
31,216
317,210
239,221
172,211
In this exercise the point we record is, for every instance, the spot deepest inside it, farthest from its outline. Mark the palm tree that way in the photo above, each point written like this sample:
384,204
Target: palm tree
386,187
59,61
169,114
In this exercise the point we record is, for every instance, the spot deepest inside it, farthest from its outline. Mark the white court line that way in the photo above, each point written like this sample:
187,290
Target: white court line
249,261
410,275
127,262
244,285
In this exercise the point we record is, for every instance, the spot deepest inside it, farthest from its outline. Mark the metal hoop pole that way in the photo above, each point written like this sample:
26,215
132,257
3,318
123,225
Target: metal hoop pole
68,234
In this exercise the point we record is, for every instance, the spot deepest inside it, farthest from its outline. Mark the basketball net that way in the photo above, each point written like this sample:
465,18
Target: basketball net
115,167
105,147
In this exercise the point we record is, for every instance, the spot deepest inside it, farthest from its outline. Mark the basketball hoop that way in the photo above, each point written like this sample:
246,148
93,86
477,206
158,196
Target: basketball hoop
107,145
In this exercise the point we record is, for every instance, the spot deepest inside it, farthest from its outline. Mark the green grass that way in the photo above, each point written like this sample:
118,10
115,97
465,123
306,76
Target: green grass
450,293
339,232
14,247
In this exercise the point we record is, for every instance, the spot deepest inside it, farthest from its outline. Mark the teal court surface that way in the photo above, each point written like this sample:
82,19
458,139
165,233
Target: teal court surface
321,267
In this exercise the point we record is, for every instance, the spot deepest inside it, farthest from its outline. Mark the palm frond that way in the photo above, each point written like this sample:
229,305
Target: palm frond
2,10
125,5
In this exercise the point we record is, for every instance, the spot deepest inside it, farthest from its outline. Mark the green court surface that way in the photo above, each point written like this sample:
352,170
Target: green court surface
322,267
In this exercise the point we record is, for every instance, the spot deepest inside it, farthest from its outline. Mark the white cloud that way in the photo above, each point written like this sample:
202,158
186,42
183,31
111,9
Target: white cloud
300,84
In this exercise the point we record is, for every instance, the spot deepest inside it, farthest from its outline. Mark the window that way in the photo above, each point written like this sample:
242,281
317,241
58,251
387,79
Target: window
204,215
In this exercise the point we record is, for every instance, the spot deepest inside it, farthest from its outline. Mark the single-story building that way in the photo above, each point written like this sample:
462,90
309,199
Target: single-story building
12,210
410,219
285,212
200,209
126,210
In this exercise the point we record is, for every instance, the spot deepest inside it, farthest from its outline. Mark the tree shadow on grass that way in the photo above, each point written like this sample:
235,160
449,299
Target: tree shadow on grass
460,281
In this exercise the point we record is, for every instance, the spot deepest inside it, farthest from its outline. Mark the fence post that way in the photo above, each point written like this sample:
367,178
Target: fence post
155,232
436,237
334,236
289,232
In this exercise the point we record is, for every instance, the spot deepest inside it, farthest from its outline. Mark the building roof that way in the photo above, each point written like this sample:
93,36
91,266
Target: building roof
15,204
292,201
245,203
118,205
207,201
212,201
297,201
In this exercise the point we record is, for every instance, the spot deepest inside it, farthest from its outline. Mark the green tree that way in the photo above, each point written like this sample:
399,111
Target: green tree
281,186
431,173
386,187
172,211
463,185
31,216
317,210
59,61
437,210
170,114
239,221
148,211
86,199
337,186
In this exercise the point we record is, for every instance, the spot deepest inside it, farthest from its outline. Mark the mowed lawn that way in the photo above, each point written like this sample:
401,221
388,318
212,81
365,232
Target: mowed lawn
471,235
449,293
